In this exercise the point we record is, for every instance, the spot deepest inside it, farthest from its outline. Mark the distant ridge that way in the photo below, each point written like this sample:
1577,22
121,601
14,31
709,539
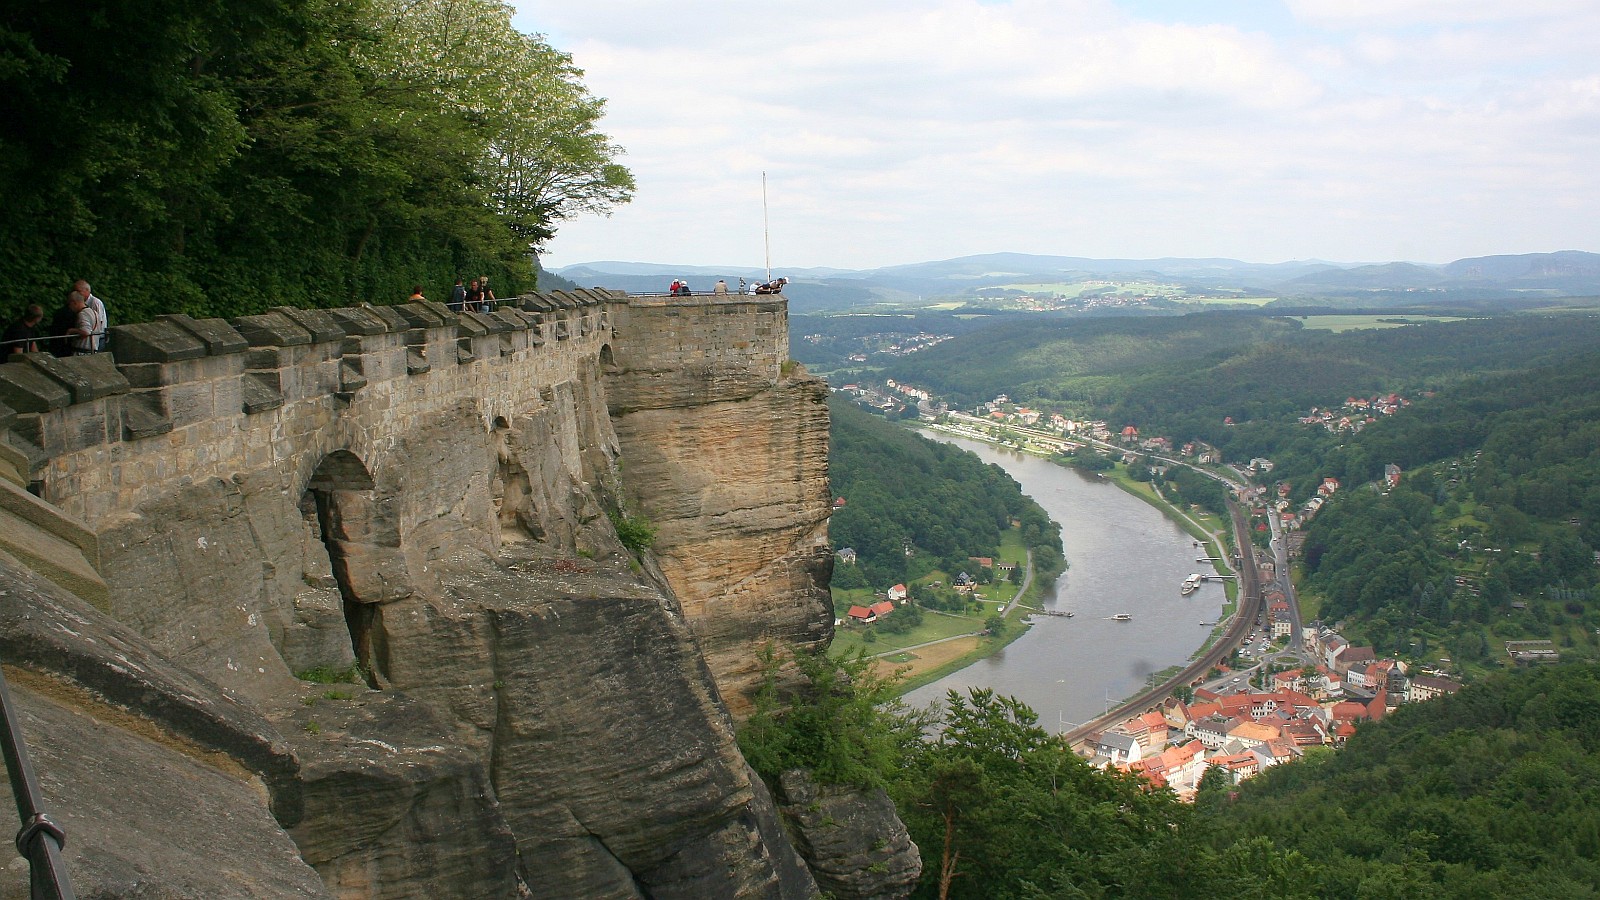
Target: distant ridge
1523,277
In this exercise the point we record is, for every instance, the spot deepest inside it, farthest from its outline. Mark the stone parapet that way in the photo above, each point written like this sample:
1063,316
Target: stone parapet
178,398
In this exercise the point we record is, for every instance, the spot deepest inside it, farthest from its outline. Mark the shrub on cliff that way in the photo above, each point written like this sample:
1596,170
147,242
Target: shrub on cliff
843,724
635,532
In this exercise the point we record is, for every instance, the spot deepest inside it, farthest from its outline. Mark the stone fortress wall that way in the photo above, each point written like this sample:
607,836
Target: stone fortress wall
425,494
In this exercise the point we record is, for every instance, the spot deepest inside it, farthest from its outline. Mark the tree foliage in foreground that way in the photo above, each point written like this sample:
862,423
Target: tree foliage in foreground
226,158
1494,792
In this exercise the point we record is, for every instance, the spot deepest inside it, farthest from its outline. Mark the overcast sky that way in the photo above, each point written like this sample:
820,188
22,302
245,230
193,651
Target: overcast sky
896,132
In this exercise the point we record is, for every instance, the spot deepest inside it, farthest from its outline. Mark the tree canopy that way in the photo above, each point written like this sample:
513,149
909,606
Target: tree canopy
223,159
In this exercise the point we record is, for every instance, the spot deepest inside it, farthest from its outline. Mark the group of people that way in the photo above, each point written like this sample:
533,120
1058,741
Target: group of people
472,297
78,327
680,287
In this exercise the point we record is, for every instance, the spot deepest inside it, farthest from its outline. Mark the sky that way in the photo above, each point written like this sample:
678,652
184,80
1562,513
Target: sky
896,131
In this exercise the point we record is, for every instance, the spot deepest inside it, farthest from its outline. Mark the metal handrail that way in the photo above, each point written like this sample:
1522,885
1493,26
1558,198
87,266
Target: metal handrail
40,840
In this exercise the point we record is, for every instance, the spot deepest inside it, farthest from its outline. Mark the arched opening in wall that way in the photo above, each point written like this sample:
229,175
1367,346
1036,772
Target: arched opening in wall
608,363
512,489
360,528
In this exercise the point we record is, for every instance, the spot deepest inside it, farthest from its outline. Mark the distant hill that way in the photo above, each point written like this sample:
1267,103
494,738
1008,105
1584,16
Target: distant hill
1477,281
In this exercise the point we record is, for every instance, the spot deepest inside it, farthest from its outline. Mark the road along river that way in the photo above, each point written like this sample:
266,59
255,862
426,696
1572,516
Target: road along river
1124,557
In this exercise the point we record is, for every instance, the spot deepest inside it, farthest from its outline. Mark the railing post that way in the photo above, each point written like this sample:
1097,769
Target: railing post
40,840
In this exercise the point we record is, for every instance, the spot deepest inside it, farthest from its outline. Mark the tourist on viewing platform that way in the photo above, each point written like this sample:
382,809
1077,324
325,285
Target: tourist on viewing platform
680,288
63,321
743,288
458,296
474,296
416,295
721,287
23,334
99,307
485,296
774,286
87,329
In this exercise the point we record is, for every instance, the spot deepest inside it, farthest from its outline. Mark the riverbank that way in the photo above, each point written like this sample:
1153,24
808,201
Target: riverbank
929,664
939,656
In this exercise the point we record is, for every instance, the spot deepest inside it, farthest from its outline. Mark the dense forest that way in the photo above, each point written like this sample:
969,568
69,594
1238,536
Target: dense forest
220,159
1493,792
912,505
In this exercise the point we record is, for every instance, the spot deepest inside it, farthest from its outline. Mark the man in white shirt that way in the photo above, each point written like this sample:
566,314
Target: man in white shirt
85,334
99,308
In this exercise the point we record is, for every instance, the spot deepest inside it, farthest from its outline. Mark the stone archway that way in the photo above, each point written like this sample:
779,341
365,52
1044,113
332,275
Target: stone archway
360,527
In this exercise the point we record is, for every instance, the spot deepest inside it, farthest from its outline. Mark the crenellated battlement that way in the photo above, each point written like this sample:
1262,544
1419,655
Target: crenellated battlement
180,398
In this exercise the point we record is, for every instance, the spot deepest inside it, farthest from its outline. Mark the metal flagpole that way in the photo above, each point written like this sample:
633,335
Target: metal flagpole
766,231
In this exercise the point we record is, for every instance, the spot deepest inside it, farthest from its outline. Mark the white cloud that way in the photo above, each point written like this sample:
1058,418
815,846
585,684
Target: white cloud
899,131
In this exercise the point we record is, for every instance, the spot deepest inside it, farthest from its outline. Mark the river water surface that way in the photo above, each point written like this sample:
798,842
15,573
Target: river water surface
1123,556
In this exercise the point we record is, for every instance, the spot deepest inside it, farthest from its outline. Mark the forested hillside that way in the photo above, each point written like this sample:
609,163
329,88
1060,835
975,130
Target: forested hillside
903,491
1087,360
1492,531
221,159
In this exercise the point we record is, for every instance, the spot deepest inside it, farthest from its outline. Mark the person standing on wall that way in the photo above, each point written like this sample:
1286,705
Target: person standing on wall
458,296
23,335
486,298
99,307
721,287
89,327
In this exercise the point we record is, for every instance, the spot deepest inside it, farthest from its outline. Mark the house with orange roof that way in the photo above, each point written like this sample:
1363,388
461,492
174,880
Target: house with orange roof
897,593
862,615
1253,734
882,608
1238,766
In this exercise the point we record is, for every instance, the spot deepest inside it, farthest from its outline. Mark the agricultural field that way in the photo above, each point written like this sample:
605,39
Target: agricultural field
1342,323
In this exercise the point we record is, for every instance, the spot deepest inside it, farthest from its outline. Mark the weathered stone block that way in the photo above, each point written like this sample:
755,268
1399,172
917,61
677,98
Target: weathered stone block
88,377
261,391
219,337
272,329
153,342
25,388
322,326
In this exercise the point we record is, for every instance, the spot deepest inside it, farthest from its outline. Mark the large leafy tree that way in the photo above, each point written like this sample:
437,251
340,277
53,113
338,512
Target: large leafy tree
224,158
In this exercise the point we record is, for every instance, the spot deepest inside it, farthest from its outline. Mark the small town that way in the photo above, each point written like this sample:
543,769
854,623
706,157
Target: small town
1250,730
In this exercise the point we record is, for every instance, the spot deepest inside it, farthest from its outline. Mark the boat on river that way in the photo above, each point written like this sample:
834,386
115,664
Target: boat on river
1122,617
1191,584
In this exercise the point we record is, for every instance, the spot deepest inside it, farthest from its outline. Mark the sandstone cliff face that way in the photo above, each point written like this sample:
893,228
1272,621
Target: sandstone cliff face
728,456
425,500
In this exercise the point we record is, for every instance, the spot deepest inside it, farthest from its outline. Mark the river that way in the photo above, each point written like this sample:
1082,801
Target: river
1123,556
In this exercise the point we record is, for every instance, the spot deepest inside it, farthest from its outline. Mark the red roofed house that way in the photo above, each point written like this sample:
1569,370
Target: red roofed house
862,614
898,592
882,608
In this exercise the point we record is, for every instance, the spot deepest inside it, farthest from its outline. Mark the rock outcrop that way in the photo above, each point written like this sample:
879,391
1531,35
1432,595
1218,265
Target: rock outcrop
414,507
728,455
852,838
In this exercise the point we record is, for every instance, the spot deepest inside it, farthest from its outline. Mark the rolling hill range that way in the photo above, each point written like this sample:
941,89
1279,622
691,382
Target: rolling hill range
1509,279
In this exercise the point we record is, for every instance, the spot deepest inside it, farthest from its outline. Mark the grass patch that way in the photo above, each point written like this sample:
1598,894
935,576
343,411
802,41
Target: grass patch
330,675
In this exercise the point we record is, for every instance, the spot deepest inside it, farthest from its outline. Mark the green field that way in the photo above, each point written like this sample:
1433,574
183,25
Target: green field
1341,323
1230,301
